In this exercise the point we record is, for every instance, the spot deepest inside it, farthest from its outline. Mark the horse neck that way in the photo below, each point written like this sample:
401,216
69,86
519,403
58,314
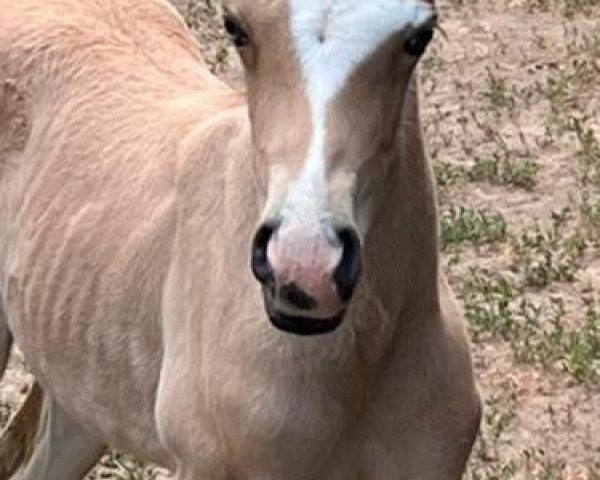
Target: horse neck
401,246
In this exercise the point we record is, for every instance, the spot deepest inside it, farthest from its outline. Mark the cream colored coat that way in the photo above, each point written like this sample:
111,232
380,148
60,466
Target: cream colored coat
129,195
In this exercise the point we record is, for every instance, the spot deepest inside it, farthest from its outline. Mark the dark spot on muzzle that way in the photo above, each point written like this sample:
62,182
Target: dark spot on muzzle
297,297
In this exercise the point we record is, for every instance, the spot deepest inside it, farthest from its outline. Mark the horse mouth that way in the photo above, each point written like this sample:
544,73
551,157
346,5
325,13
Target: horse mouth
305,326
299,324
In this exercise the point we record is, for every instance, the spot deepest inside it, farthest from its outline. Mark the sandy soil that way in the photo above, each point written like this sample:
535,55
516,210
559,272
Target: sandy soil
489,92
514,86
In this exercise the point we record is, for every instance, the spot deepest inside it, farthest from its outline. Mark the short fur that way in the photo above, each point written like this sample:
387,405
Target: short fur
131,184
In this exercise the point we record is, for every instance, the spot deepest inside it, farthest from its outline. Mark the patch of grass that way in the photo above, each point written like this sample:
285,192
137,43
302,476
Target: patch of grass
558,90
590,213
499,170
478,226
537,337
571,7
544,337
447,174
566,86
581,42
495,307
582,347
540,332
589,150
547,256
498,415
487,299
498,93
530,464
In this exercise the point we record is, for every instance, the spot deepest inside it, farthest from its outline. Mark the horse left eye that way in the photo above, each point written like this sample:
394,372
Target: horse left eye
417,44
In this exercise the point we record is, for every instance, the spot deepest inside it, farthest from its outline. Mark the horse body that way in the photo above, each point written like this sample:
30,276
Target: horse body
91,193
130,191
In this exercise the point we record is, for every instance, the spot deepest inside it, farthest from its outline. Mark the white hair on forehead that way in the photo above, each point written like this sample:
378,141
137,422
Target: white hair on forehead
332,38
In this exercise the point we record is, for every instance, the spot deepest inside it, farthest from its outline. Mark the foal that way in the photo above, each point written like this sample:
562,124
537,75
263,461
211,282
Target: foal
236,287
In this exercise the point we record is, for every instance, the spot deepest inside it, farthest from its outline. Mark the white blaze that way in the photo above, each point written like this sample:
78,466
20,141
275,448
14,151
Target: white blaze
332,38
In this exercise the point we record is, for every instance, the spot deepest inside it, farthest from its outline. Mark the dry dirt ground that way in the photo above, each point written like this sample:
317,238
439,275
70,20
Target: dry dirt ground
511,102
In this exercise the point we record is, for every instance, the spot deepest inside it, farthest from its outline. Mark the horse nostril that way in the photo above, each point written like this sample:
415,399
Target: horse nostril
347,273
260,262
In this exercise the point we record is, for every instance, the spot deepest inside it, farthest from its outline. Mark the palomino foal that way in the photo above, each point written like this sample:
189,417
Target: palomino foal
236,287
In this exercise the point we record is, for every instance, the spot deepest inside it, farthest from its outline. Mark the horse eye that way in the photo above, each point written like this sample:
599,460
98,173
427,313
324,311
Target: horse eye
235,32
417,44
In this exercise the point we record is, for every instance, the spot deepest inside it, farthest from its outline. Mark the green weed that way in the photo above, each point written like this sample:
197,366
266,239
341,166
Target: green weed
571,7
498,92
487,299
590,213
547,256
499,170
542,336
463,224
589,150
447,174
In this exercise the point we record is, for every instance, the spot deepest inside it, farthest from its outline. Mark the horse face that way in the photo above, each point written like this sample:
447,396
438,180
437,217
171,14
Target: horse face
326,81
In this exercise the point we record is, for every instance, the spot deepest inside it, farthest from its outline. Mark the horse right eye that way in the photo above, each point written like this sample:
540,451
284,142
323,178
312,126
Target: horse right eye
236,32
